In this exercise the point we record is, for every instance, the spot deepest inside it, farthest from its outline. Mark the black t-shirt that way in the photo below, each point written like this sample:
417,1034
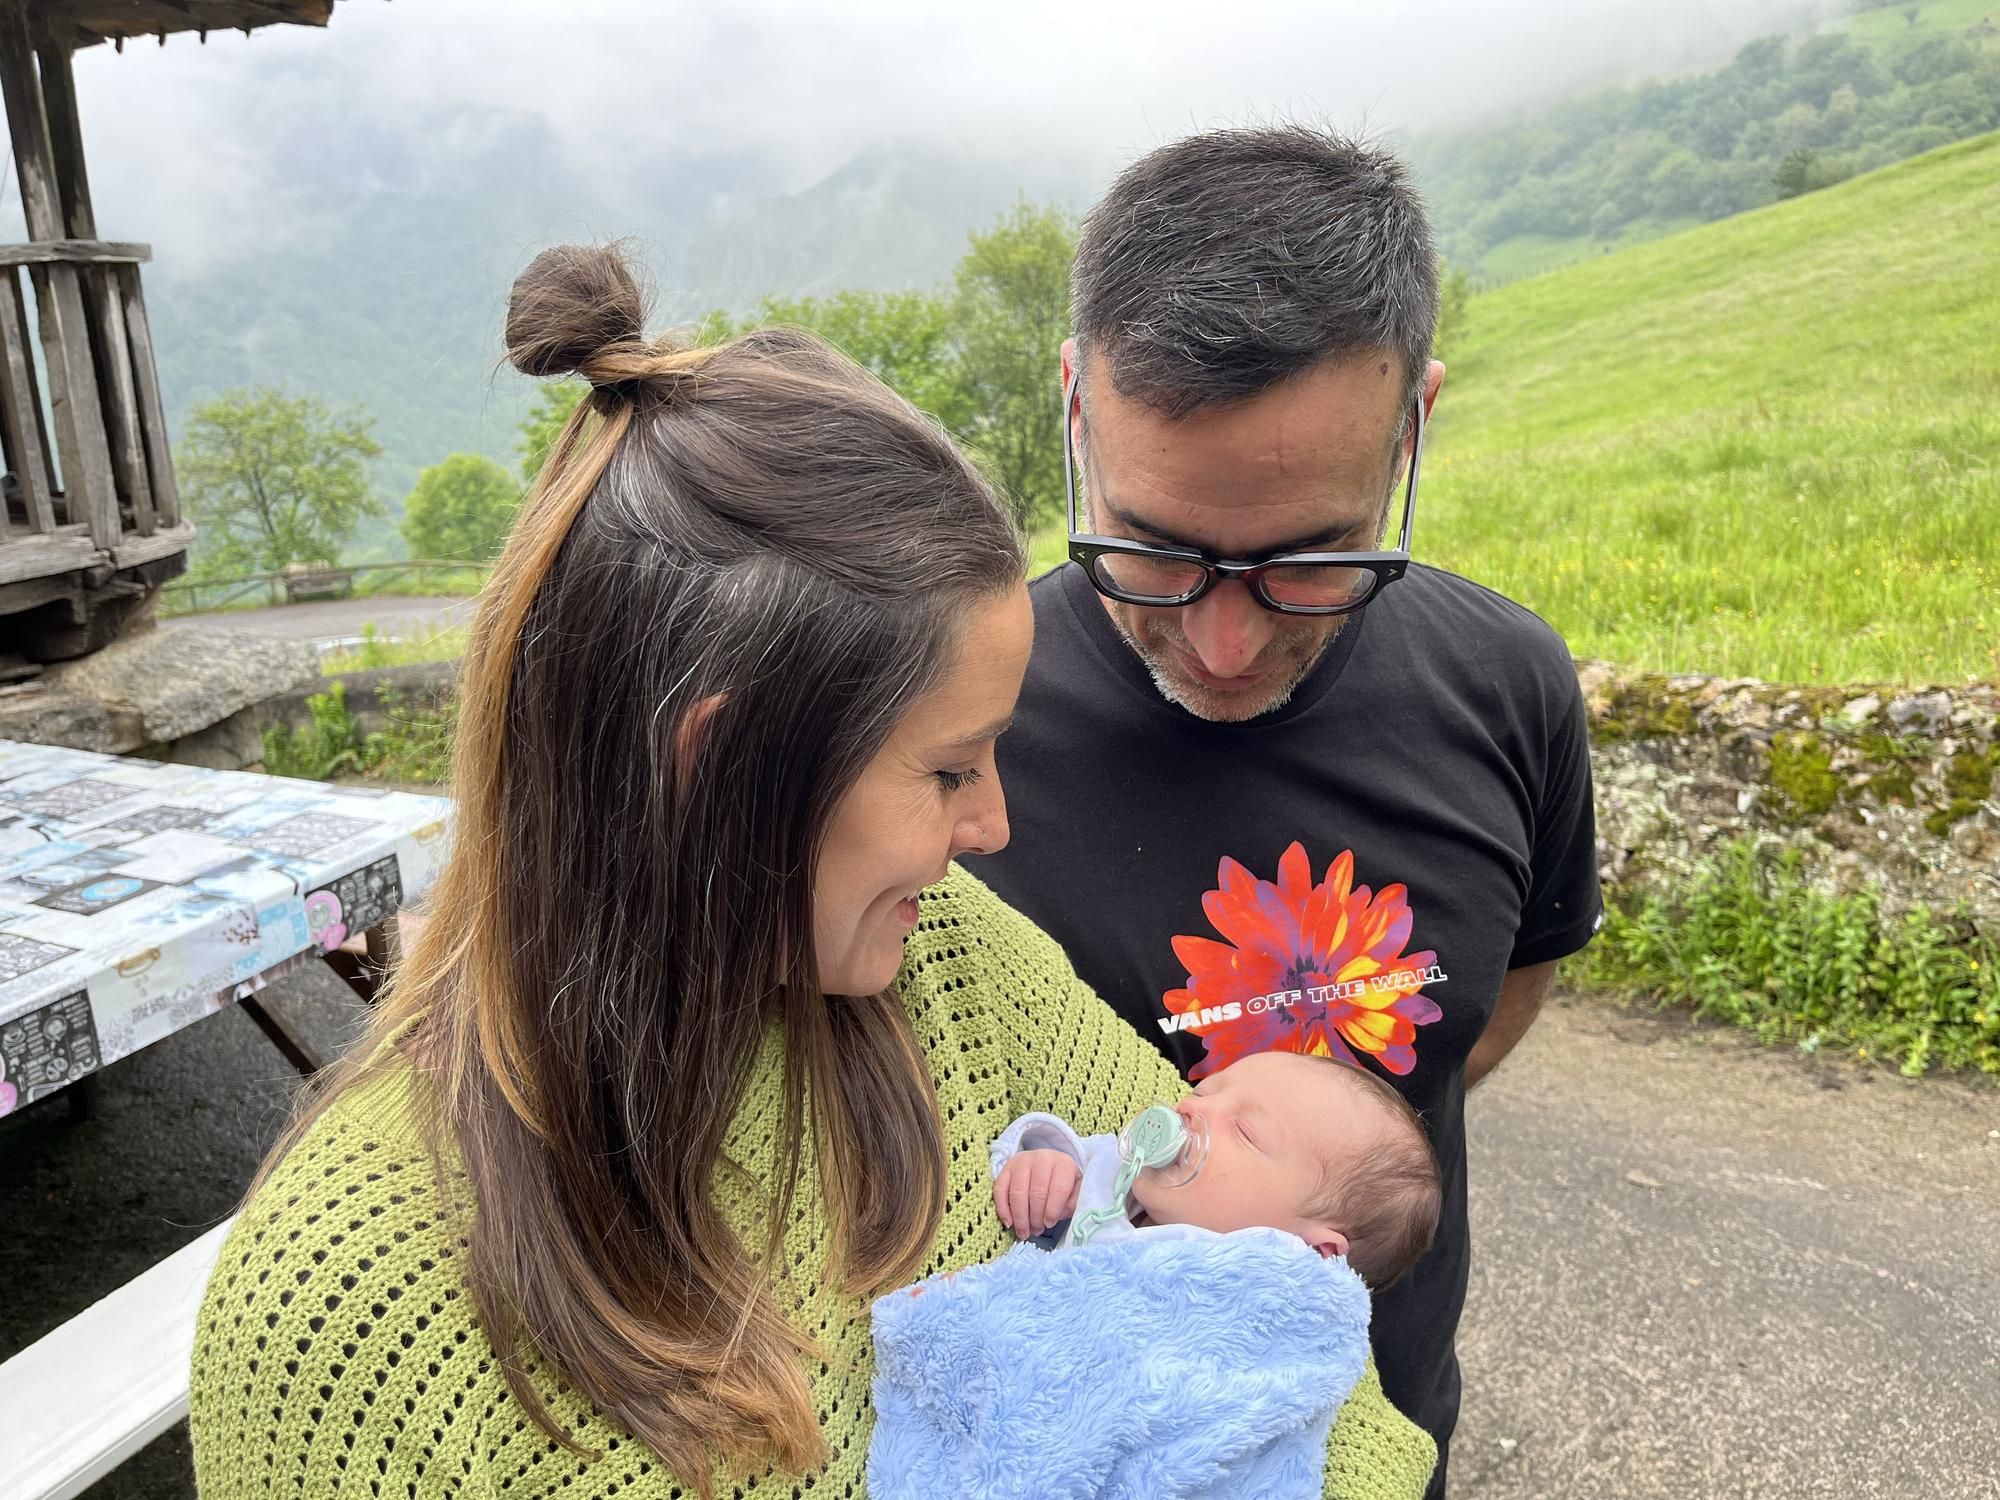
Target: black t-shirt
1354,872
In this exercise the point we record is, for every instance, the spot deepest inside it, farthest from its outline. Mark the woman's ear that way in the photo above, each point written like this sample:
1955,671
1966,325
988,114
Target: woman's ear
691,738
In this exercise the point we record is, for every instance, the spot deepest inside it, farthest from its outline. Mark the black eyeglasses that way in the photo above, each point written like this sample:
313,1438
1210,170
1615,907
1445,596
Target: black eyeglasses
1292,583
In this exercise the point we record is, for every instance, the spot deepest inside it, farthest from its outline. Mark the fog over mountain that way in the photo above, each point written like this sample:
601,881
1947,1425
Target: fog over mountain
341,211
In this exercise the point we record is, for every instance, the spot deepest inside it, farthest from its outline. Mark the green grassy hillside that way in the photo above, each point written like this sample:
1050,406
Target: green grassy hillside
1768,446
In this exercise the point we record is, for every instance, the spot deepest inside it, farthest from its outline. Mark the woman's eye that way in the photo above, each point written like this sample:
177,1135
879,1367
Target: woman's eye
956,781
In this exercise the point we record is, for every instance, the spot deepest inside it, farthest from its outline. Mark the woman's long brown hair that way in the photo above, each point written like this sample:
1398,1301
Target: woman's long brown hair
738,569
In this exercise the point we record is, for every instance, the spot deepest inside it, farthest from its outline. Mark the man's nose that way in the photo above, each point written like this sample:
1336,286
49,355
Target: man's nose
1228,628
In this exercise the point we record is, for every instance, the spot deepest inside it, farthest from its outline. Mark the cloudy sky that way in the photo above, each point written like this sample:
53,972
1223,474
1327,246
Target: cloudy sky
196,145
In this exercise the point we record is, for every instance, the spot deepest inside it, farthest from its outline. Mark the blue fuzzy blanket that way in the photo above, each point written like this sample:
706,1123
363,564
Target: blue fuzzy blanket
1174,1362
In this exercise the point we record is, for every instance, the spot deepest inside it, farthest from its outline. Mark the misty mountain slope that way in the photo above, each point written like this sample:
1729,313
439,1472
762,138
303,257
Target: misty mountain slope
1767,446
893,219
1620,165
390,293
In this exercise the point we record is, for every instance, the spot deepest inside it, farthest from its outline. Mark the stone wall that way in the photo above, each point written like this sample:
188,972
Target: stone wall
1890,786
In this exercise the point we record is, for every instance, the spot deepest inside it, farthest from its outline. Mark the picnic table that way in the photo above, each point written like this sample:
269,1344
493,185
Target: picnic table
137,898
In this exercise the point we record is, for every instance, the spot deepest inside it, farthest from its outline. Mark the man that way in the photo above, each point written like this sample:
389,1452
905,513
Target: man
1272,786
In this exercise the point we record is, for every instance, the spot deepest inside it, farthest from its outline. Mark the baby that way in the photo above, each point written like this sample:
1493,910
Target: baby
1313,1147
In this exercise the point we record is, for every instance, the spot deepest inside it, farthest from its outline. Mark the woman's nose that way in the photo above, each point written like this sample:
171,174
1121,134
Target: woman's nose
985,831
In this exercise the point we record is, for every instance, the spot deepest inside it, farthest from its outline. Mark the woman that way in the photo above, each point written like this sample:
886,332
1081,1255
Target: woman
705,1039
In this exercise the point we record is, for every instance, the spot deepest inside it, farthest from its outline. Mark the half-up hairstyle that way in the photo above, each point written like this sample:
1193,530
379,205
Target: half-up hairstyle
738,569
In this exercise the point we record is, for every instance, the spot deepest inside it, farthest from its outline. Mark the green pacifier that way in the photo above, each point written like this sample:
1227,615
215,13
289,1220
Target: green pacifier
1158,1141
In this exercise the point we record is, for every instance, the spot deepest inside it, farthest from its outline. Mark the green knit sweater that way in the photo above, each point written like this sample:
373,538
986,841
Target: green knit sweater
339,1351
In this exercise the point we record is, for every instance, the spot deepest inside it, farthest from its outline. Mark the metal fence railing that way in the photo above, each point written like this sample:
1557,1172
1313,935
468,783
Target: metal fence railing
301,582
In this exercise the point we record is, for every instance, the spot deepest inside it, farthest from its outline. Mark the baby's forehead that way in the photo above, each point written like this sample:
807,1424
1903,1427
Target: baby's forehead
1335,1103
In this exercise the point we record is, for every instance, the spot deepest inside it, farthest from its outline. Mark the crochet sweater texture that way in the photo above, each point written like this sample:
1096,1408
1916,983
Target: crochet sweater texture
339,1352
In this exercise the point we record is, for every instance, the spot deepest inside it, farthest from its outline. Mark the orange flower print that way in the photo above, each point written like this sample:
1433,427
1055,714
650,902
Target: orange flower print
1303,968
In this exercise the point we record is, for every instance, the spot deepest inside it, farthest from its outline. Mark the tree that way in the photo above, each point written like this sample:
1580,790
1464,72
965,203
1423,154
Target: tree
1010,308
1454,295
906,338
461,509
544,423
273,479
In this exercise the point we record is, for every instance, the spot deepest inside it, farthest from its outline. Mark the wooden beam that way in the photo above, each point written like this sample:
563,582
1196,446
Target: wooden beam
111,356
28,124
21,409
33,593
76,252
86,457
66,141
121,401
152,415
163,543
68,551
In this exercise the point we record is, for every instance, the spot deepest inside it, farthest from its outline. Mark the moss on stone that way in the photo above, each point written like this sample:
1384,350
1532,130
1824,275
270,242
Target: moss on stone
1645,707
1969,777
1802,773
1890,765
1958,808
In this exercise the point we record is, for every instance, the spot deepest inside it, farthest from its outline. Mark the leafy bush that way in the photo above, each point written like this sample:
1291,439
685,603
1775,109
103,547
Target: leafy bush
331,745
1751,941
415,747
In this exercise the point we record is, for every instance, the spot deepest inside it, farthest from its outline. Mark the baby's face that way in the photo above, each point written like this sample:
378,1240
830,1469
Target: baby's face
1277,1124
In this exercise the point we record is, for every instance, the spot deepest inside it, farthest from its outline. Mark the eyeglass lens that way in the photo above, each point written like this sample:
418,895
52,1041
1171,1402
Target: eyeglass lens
1170,580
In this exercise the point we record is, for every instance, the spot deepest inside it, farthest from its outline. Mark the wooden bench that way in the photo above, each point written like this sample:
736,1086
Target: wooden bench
316,580
86,1397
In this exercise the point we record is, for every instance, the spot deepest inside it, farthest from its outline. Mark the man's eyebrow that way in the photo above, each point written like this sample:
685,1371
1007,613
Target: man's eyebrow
1312,542
992,731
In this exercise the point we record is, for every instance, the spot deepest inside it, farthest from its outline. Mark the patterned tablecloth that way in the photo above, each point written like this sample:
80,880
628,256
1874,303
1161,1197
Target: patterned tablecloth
136,898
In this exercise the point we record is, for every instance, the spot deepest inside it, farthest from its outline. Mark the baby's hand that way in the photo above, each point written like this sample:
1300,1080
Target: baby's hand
1036,1189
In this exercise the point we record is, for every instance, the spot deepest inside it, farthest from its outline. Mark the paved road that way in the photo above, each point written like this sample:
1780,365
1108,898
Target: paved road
1704,1270
339,619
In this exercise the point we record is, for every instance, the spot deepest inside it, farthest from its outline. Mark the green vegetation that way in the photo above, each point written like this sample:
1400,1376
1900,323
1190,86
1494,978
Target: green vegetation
980,355
273,480
1765,447
1784,118
461,508
416,747
375,653
1751,941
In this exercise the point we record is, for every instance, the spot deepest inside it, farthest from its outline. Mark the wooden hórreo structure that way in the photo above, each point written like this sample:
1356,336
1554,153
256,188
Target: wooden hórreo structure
90,521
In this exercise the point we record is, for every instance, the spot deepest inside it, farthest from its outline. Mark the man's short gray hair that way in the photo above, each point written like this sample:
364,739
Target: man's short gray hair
1220,265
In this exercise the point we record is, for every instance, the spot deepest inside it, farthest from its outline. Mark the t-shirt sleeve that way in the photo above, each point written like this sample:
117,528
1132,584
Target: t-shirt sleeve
1564,905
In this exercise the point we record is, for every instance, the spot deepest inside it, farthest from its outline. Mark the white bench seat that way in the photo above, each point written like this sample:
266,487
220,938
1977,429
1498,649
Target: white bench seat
80,1401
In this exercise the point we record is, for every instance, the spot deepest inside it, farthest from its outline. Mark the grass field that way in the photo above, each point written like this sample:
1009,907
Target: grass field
1891,23
1768,446
1534,254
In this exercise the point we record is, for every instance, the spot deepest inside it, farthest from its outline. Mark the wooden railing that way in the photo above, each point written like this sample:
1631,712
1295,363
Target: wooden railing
185,596
114,484
90,516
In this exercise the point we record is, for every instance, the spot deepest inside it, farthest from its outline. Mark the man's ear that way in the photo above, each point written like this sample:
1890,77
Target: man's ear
1069,361
1433,383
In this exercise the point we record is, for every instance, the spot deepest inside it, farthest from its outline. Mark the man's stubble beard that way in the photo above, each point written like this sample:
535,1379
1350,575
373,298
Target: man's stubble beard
1299,652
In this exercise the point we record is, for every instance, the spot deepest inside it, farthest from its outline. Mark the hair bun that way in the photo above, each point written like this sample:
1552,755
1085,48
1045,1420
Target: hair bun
573,303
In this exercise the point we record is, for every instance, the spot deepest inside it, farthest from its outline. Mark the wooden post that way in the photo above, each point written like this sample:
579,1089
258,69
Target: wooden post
152,415
21,410
66,141
34,154
111,353
88,489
